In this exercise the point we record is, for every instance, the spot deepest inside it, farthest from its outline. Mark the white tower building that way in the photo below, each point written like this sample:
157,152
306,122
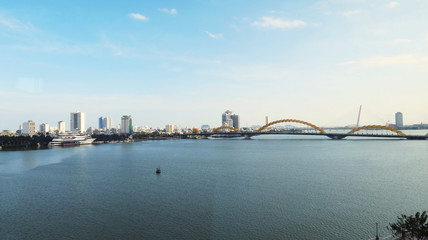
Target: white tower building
61,127
77,121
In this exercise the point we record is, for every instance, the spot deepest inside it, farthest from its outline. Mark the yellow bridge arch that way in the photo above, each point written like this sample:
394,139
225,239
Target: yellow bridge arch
225,127
291,120
376,127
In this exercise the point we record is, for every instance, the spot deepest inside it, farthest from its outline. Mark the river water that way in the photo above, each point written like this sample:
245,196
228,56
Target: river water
271,187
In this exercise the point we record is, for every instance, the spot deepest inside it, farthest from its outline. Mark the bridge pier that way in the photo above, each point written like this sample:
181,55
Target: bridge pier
247,137
336,137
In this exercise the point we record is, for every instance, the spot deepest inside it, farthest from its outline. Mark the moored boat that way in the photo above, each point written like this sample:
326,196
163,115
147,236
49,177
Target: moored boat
72,140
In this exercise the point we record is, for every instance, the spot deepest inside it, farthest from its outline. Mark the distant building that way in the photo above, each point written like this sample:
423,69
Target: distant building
169,128
90,130
205,127
107,123
44,128
267,120
61,127
77,121
127,124
399,120
28,128
230,119
101,123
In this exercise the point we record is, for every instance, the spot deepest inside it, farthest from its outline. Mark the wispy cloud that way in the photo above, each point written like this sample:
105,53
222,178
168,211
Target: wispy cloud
214,36
400,41
381,61
16,25
271,22
276,12
171,11
351,13
393,4
29,85
138,16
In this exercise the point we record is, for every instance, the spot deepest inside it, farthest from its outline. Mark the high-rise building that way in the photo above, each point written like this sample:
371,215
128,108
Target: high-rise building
28,128
236,120
101,123
230,119
44,128
61,127
399,120
127,124
107,123
77,121
169,128
267,119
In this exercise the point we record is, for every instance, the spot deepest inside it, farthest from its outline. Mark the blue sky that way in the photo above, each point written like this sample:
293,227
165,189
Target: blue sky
186,62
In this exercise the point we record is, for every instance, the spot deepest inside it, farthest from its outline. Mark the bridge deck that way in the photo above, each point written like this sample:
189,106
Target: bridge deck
330,135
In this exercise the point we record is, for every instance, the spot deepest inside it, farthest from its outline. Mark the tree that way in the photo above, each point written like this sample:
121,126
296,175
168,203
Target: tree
398,228
411,226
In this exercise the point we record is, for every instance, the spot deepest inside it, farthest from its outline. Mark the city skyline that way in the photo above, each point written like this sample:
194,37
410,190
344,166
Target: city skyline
185,63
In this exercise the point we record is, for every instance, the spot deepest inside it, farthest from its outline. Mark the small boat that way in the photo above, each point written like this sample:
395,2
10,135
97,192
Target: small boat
158,171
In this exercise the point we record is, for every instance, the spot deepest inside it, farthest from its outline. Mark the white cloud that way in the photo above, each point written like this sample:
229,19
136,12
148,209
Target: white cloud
171,11
393,4
16,25
215,36
351,13
138,16
271,22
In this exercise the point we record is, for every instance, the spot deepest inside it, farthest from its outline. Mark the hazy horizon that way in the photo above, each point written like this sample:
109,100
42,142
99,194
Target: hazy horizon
185,63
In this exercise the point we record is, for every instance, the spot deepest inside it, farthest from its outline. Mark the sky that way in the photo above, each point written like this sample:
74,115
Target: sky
186,62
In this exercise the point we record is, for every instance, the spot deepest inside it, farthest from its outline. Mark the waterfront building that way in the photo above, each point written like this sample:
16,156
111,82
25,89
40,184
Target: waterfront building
169,128
230,119
205,127
399,120
127,124
77,121
28,128
44,128
61,127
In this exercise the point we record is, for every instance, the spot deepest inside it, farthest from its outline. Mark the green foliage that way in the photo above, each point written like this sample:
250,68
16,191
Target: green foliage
24,141
411,226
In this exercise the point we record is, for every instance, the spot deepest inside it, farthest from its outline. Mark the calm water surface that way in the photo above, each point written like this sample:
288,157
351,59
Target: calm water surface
265,188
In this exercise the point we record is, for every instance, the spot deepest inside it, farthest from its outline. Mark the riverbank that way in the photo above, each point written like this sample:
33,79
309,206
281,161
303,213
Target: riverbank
23,143
17,143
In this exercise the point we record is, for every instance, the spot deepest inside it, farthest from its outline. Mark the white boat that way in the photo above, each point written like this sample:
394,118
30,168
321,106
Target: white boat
71,140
